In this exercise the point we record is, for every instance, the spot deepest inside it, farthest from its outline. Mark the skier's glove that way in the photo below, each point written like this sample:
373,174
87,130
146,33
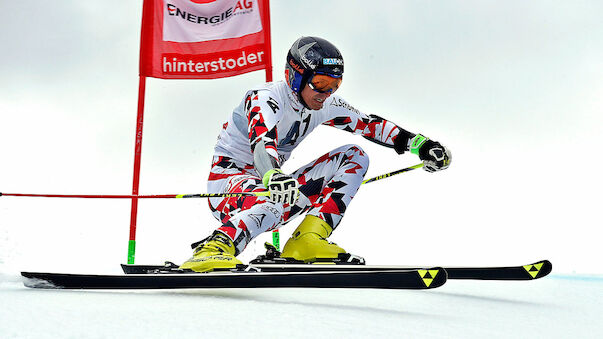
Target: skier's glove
283,187
435,156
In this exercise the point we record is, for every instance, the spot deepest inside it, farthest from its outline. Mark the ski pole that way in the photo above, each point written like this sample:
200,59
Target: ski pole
156,196
387,175
275,233
181,196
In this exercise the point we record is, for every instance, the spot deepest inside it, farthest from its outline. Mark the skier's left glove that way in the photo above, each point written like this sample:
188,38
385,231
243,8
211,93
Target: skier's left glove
283,187
435,156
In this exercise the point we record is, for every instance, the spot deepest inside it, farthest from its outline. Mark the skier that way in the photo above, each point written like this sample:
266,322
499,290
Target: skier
259,137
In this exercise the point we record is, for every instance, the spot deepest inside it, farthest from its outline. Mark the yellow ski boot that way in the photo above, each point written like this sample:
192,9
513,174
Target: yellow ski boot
218,251
309,241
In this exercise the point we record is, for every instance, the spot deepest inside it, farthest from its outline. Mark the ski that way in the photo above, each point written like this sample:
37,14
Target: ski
243,277
522,272
350,262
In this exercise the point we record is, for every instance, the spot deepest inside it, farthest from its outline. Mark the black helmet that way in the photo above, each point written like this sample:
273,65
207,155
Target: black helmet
308,56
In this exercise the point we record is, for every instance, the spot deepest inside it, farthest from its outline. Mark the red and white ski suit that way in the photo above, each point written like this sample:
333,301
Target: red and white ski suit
272,118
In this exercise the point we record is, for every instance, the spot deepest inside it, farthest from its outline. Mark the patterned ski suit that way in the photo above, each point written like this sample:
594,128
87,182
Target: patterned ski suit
273,117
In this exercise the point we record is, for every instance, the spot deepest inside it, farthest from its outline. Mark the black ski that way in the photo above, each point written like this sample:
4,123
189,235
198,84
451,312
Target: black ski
250,277
350,262
522,272
525,272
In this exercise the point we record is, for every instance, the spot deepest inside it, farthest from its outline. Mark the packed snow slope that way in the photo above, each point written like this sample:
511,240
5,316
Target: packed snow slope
558,306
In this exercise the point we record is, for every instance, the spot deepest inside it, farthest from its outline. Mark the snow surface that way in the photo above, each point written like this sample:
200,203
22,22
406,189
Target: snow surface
558,306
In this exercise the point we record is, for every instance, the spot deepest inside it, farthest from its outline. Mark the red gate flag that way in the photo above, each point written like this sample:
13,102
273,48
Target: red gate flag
204,39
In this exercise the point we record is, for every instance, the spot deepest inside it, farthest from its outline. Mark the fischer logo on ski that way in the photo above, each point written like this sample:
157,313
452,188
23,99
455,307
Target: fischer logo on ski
428,276
533,269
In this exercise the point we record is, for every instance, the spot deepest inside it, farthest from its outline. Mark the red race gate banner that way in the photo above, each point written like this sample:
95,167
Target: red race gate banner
204,39
197,39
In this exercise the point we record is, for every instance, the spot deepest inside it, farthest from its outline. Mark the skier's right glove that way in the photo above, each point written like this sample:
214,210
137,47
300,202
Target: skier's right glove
283,187
435,156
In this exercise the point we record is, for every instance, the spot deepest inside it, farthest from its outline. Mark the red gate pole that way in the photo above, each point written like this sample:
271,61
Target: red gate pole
136,176
267,41
268,47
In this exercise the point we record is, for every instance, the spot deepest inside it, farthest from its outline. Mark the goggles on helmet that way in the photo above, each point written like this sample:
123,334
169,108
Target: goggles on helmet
323,83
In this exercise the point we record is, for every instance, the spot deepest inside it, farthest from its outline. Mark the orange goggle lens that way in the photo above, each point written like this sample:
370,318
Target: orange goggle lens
323,83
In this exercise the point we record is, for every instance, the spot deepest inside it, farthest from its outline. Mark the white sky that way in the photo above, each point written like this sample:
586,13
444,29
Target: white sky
514,88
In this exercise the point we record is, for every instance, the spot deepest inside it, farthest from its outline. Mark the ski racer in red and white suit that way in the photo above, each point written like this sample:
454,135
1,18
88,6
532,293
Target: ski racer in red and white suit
263,130
272,116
